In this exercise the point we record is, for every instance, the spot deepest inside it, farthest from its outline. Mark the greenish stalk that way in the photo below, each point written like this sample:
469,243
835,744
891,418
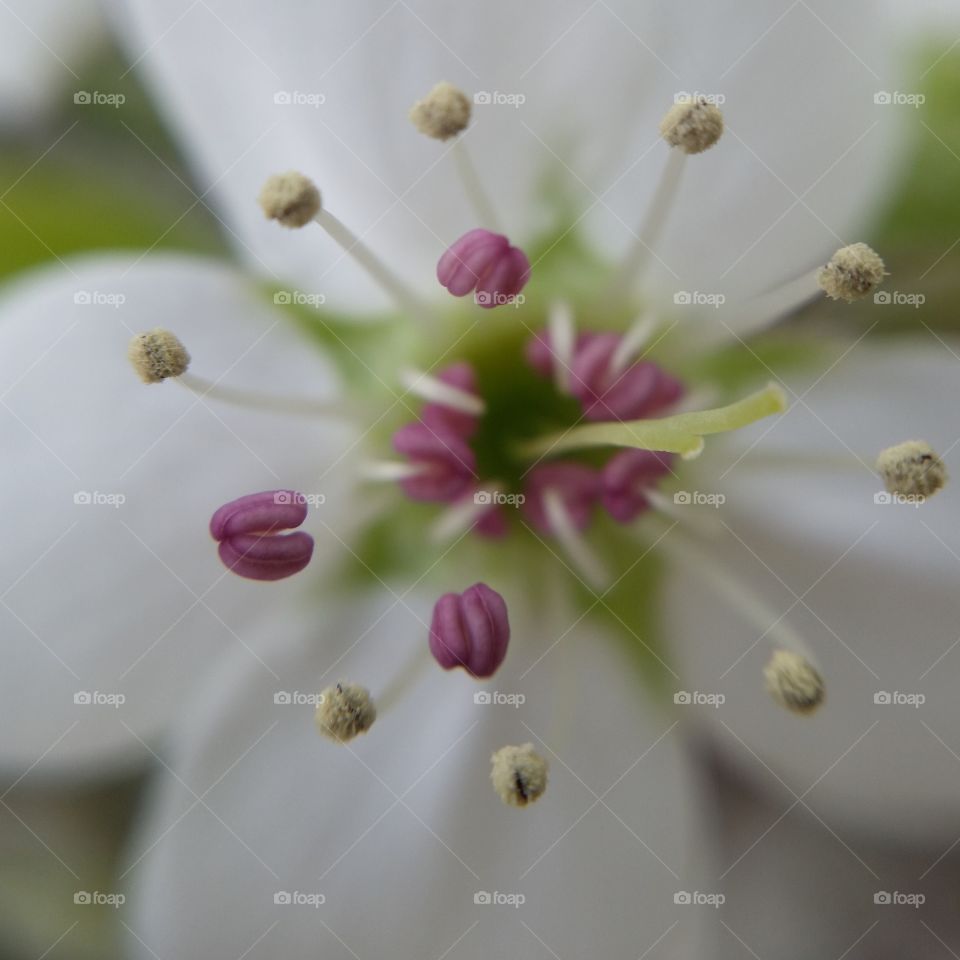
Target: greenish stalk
682,433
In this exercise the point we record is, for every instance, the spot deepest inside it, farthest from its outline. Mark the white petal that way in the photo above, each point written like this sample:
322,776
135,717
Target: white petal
871,587
401,829
131,599
42,45
799,82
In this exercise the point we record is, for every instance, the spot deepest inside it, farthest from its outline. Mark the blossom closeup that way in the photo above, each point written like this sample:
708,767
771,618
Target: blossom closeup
592,452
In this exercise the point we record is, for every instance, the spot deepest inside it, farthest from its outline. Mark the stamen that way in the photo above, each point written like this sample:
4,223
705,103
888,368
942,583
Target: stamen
565,529
702,521
912,469
692,125
449,463
293,200
473,186
773,627
632,343
290,198
436,391
562,332
628,480
681,433
519,775
853,273
391,470
476,511
640,249
250,546
403,682
794,682
345,711
486,263
296,406
470,630
157,355
443,113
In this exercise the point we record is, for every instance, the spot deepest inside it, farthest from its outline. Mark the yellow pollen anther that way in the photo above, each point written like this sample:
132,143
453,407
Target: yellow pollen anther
158,354
442,113
290,198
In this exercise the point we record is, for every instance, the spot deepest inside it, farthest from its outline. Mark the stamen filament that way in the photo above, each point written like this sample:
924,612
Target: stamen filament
574,545
338,231
705,524
563,336
473,187
774,629
402,683
458,519
641,248
761,312
392,470
298,406
435,390
682,433
631,343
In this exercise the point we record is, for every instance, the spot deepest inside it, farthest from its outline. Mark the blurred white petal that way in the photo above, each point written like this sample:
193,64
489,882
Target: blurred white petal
401,829
131,599
871,587
805,155
42,45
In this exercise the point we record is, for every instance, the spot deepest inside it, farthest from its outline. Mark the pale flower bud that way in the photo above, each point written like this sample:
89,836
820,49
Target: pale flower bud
911,469
794,682
519,775
692,125
290,198
442,113
156,355
345,710
853,273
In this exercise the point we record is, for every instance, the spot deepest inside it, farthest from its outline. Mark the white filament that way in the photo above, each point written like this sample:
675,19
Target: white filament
435,390
577,549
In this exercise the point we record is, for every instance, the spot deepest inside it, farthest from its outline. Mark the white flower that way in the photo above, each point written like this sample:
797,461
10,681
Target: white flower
400,832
